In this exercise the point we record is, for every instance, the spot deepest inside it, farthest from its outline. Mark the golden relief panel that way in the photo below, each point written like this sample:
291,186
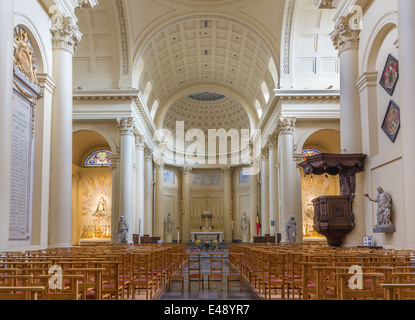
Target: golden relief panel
24,55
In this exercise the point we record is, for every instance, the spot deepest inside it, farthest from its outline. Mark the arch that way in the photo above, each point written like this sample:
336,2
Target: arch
274,72
98,130
306,136
147,91
138,71
154,108
384,26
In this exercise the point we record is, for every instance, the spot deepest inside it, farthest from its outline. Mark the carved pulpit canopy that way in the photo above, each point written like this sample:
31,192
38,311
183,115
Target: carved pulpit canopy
344,165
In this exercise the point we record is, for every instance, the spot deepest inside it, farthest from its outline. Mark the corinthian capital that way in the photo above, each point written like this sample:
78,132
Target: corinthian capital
346,34
126,126
286,125
66,34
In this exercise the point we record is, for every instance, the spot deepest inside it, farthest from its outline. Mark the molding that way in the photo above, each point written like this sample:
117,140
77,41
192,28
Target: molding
368,79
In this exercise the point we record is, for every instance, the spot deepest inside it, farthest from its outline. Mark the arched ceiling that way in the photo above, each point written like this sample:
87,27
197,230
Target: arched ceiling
205,49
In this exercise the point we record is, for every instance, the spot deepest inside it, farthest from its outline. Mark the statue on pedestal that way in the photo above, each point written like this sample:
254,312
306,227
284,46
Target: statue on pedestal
383,215
122,231
291,230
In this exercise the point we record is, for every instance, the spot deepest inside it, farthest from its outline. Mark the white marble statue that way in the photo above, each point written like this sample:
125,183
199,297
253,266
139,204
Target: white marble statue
122,231
168,224
245,227
383,215
291,230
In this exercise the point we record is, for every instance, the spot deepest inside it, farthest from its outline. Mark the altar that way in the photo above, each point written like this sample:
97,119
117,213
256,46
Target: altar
218,236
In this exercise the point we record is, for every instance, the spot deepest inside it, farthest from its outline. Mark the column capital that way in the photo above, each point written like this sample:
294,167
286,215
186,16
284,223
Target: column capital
346,34
139,142
148,154
286,125
159,164
264,154
115,160
186,171
227,171
65,33
324,4
126,126
272,141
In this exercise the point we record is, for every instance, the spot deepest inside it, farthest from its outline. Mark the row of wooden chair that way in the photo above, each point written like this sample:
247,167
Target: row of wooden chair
98,272
298,271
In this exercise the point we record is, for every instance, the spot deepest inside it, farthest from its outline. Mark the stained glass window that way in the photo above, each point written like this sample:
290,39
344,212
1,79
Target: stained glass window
309,153
99,158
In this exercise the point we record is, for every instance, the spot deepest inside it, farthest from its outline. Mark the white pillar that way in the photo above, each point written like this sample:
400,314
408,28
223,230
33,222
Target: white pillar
406,11
66,37
346,39
6,102
76,232
273,184
286,127
115,206
148,194
126,128
186,180
227,207
140,170
253,206
264,210
159,209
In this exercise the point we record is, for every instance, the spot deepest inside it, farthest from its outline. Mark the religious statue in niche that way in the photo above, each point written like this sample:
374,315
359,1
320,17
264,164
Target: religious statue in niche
383,215
122,231
245,227
291,230
168,223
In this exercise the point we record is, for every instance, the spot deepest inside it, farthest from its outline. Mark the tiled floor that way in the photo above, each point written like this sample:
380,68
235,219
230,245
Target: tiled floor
215,293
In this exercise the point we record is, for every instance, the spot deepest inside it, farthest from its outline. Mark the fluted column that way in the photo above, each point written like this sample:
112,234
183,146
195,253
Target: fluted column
406,11
126,128
273,183
66,37
227,207
286,127
346,39
264,209
140,172
186,181
159,210
148,193
6,101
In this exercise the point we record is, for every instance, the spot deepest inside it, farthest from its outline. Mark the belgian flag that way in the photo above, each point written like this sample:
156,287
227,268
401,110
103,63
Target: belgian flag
258,222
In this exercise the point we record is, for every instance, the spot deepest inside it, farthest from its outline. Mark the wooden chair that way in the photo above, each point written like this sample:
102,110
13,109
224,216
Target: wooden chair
273,278
91,286
176,269
235,269
195,270
216,269
69,290
368,292
143,275
399,291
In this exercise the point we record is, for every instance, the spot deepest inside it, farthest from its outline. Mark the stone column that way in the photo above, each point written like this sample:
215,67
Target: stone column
264,209
148,193
159,212
273,183
186,182
115,205
253,206
139,199
227,207
77,224
346,39
6,102
126,128
286,127
66,37
406,11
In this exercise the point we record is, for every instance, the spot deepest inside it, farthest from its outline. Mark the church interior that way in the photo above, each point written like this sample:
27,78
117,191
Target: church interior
207,149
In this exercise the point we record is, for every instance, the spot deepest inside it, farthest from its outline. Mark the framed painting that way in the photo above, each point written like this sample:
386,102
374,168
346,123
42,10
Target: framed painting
392,122
390,75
